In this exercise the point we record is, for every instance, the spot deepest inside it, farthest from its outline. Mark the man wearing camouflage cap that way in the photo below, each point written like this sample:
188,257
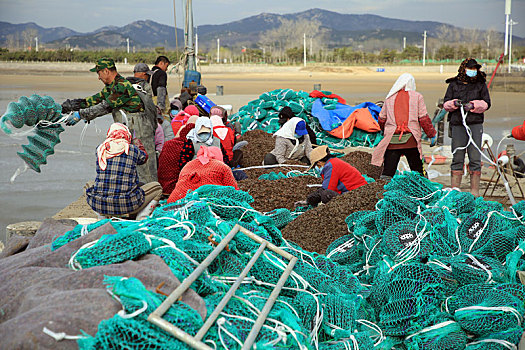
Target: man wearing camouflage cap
119,98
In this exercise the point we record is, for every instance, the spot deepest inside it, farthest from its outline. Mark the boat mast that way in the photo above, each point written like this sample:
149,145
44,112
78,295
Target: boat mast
189,49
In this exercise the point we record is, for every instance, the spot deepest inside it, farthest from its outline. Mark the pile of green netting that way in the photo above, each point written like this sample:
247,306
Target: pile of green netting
430,268
263,114
293,173
41,112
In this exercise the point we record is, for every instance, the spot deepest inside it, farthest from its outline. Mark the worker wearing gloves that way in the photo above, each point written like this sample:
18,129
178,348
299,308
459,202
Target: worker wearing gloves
338,176
468,91
119,98
291,143
403,115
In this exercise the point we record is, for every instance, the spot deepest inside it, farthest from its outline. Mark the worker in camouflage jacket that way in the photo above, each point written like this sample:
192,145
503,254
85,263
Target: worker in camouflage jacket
119,98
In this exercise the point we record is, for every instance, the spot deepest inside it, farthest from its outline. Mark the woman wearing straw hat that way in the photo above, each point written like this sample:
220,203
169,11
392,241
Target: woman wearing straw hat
338,176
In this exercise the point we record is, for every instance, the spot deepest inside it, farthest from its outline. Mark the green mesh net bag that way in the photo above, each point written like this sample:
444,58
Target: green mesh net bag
345,250
482,310
394,207
129,329
442,334
456,202
31,111
110,249
413,185
356,341
405,240
470,268
506,339
77,232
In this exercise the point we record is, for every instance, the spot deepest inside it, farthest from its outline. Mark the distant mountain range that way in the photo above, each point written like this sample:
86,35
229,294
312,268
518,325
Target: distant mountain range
338,29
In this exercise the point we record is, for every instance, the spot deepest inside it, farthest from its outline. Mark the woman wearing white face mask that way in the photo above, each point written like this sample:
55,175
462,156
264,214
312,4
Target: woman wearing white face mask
201,135
467,91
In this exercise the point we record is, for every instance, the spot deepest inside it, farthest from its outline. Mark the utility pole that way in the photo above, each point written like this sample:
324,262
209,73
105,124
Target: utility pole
511,23
508,5
175,20
311,47
36,44
404,43
127,43
304,49
218,50
424,47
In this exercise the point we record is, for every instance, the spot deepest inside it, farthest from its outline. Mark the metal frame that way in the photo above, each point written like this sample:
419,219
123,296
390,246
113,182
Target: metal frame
196,342
503,170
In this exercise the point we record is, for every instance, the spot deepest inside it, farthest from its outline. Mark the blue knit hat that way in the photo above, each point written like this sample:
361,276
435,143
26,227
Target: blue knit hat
300,128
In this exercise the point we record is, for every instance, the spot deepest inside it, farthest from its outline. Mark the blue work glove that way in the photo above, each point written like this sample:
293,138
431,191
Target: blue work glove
73,119
434,140
468,106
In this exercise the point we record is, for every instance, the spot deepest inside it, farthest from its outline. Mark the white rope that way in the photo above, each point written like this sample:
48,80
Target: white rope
61,335
482,267
493,308
374,327
431,328
122,313
274,166
471,141
73,264
505,343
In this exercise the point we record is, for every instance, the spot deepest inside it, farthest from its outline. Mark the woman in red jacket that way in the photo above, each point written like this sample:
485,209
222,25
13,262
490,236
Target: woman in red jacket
207,169
338,176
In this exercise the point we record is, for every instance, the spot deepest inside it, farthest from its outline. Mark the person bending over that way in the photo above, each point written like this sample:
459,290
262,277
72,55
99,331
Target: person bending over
291,143
338,176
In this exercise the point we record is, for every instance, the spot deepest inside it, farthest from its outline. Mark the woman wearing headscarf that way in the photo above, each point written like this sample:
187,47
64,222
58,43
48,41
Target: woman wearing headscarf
291,143
403,115
116,190
226,135
201,135
169,168
207,169
467,91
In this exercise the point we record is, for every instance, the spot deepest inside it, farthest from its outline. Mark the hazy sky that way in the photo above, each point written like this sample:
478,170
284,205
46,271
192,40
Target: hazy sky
88,15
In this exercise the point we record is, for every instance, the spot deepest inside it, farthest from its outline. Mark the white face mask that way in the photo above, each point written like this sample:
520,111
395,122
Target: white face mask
203,136
318,168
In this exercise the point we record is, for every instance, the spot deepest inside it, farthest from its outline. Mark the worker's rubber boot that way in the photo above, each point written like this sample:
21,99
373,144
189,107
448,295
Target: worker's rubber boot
144,213
475,178
455,178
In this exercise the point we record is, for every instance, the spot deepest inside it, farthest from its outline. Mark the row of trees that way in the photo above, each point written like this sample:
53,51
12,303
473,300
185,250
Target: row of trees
294,55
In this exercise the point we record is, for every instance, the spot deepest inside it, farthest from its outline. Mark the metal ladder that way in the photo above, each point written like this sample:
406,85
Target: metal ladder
196,341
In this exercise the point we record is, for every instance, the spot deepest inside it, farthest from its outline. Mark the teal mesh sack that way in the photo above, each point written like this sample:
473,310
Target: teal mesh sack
77,232
396,206
469,268
281,217
30,111
413,185
345,250
444,335
507,339
456,202
121,332
356,341
405,240
481,310
111,249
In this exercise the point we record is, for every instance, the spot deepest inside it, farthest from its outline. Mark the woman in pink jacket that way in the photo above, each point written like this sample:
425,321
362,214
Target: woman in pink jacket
403,115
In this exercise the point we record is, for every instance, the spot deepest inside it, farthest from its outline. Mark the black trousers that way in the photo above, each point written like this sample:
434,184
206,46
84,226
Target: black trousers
320,195
392,156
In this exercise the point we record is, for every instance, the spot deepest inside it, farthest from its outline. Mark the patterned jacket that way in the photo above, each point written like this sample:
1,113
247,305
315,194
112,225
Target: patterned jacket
119,94
116,190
